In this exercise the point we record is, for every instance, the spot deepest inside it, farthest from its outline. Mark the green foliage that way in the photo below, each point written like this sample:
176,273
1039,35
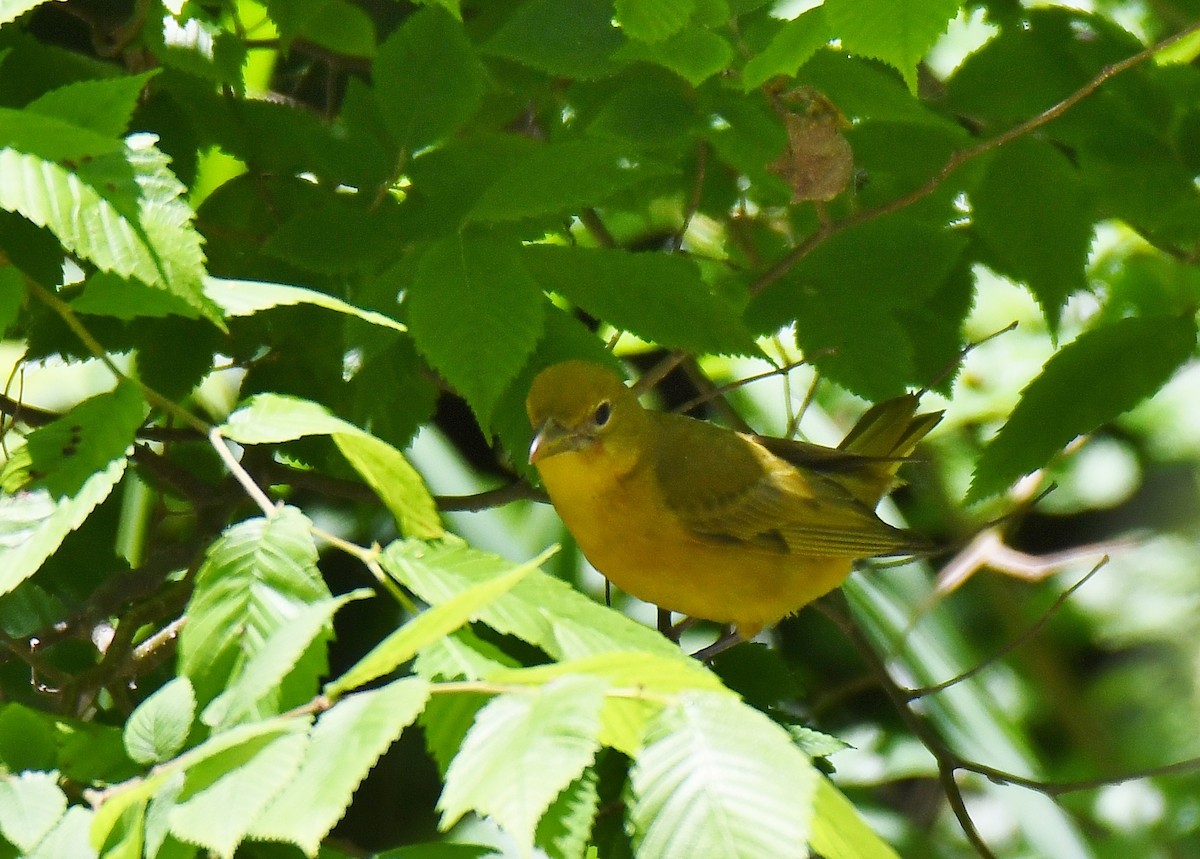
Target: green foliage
277,276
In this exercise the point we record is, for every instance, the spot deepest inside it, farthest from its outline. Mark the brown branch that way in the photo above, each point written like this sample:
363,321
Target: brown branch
827,231
1058,788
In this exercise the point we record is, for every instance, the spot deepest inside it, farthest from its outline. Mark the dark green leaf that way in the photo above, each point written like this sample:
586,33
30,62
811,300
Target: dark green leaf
791,47
102,106
658,297
1036,219
574,39
653,20
899,32
475,315
427,79
1102,373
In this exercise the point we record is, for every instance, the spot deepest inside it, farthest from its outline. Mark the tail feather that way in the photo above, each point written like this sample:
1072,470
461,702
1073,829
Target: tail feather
889,431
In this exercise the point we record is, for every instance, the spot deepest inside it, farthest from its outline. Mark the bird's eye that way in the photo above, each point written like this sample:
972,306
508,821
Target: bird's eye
602,414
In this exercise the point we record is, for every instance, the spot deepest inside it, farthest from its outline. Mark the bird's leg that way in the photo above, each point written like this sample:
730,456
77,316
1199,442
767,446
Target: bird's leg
664,624
726,641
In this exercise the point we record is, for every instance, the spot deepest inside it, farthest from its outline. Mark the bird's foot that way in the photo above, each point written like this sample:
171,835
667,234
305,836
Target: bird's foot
726,641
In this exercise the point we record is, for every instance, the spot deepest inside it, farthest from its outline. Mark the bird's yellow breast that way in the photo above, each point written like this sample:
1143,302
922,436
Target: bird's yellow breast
626,530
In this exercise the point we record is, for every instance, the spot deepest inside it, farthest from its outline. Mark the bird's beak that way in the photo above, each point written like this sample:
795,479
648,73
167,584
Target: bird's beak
553,438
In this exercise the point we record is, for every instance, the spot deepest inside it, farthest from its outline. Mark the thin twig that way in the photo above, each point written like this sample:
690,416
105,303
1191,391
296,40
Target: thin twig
240,474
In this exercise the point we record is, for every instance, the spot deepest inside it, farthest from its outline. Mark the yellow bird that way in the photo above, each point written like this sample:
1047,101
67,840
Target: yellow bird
706,521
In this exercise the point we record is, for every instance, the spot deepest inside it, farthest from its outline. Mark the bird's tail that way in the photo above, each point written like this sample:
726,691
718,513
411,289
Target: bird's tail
885,436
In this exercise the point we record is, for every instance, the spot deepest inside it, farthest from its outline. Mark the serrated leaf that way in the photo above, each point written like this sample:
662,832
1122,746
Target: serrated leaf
898,32
346,742
838,830
789,49
11,10
52,138
65,453
541,609
431,625
695,54
653,20
30,805
522,751
103,106
69,837
564,829
33,524
1090,381
563,177
1036,219
475,314
257,578
158,728
108,294
428,80
849,300
275,418
719,778
218,813
278,655
658,297
460,655
120,210
814,743
573,40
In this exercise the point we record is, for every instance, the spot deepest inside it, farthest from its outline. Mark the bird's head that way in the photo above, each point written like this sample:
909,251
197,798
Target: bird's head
578,406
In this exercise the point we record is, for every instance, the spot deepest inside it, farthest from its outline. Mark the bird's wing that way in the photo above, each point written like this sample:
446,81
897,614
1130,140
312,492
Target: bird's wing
725,486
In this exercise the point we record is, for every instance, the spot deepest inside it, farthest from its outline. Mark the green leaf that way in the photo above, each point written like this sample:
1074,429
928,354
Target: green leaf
275,418
653,20
658,297
346,742
223,796
572,40
1090,381
898,32
11,10
30,805
695,54
108,294
850,300
258,577
721,779
540,609
159,726
428,81
33,524
522,751
334,24
564,829
27,739
121,211
475,314
1034,215
428,627
789,49
64,454
69,837
278,655
103,106
838,830
247,297
561,178
52,138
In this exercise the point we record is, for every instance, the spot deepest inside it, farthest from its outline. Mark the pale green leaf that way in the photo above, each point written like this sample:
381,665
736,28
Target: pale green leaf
431,625
564,829
217,813
653,20
278,655
257,578
658,297
461,655
475,314
159,726
838,830
275,418
1090,381
561,178
428,80
898,32
69,838
790,48
33,524
11,10
522,751
30,805
718,778
541,609
346,742
247,297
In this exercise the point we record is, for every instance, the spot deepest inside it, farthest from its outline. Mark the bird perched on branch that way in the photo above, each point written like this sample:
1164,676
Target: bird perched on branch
713,523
